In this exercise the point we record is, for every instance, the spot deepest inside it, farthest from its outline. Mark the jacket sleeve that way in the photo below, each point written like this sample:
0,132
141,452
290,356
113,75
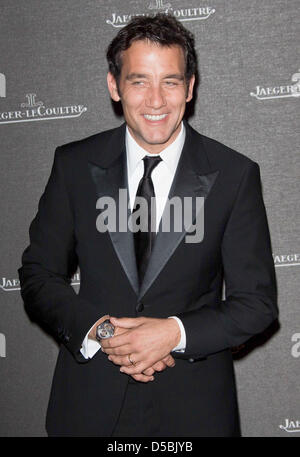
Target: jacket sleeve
250,304
48,264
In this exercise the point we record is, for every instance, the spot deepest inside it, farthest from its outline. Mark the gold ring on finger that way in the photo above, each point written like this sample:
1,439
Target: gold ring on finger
131,361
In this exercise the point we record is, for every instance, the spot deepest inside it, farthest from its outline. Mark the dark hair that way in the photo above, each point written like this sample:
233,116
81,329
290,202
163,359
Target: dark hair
163,29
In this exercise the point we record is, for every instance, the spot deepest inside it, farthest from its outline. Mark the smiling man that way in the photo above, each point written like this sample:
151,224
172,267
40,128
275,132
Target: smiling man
145,347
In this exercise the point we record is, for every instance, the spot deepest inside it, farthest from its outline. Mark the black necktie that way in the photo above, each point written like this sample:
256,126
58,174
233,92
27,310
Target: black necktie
143,240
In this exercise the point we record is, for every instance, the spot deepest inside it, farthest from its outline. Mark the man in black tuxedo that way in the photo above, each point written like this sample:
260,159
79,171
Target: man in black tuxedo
167,370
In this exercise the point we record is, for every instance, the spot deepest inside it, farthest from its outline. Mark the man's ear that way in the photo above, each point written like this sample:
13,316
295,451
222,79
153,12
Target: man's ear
112,87
190,89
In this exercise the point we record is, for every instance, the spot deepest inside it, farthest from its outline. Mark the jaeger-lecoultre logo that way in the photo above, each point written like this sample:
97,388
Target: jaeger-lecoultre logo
36,110
182,14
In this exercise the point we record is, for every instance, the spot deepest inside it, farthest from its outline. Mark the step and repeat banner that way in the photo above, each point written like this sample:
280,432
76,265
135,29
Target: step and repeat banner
53,91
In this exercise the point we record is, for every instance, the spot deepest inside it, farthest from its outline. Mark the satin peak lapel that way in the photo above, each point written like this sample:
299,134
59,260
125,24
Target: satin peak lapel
108,181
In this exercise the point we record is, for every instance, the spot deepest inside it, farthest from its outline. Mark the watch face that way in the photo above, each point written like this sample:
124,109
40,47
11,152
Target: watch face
105,330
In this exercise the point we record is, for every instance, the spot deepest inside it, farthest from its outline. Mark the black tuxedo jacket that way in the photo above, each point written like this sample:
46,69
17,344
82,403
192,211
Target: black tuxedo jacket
198,396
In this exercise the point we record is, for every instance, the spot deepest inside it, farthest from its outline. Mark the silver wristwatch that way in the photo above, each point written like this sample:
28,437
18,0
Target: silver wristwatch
105,330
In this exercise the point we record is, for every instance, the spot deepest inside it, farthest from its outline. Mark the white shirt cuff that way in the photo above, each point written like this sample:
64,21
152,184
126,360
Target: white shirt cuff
89,347
182,343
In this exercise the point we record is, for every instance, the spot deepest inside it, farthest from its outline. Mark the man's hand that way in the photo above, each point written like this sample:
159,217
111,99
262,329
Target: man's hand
146,341
147,375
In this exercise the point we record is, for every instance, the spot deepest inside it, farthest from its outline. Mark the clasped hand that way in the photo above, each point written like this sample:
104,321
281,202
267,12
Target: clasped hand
145,341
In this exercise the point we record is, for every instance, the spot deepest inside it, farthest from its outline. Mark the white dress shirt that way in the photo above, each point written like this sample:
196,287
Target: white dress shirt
162,178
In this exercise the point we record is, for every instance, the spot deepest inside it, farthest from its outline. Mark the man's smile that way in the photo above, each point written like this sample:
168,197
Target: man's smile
155,117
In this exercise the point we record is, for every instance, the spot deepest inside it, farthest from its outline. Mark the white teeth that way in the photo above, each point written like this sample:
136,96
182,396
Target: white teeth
152,117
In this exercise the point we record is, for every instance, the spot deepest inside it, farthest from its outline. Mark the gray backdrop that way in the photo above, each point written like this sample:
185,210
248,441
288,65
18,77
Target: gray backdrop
53,90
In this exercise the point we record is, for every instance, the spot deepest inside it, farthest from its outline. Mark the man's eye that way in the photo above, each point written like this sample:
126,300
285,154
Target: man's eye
138,83
171,83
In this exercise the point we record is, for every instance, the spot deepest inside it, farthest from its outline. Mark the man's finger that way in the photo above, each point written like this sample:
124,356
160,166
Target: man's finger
120,360
142,378
149,371
159,366
137,368
169,361
126,322
119,350
119,331
116,341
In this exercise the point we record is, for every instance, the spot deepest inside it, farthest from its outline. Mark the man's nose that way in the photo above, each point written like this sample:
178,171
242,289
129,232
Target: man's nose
155,98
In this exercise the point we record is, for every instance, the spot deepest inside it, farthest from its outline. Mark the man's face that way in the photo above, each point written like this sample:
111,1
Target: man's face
153,92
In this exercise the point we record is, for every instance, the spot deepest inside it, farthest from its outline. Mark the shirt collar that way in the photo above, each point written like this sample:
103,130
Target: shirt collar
170,155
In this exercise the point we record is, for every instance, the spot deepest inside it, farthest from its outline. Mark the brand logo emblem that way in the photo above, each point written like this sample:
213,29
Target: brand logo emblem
158,5
31,103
